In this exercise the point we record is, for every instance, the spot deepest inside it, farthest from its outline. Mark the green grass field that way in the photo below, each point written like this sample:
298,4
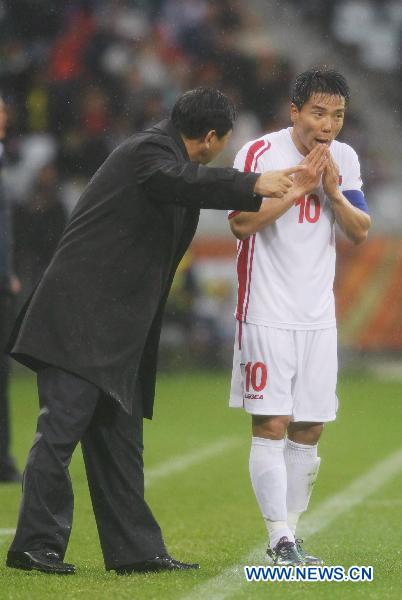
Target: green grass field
196,455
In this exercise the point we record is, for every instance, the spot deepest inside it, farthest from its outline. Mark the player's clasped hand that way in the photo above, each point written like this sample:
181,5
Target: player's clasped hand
275,184
315,162
330,178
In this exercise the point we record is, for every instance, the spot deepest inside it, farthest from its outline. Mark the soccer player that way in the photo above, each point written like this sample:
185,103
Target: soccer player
285,355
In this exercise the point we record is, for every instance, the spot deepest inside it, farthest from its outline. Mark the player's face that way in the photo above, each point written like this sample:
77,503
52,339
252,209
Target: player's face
318,121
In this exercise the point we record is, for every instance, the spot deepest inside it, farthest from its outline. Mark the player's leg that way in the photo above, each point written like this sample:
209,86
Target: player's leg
66,407
112,449
315,403
268,474
261,382
302,465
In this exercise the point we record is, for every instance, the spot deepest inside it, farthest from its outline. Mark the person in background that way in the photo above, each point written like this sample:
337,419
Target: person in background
38,226
9,287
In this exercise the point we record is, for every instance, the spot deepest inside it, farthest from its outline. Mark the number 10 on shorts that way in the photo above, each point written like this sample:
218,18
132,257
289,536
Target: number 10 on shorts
256,376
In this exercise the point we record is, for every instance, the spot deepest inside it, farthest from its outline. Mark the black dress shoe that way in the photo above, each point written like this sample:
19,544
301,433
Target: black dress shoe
158,563
39,560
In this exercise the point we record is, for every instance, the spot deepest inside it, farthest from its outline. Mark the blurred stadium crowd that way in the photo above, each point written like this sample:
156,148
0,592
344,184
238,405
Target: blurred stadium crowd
369,30
81,76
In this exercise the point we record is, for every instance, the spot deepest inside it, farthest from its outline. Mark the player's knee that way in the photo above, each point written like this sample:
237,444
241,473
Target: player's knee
305,433
271,427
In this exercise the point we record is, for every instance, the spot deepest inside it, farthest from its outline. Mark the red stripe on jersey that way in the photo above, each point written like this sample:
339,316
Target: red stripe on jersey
240,332
252,151
243,269
251,163
249,278
242,262
260,154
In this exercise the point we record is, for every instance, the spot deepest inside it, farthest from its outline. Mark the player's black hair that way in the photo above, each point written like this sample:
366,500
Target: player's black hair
318,80
201,110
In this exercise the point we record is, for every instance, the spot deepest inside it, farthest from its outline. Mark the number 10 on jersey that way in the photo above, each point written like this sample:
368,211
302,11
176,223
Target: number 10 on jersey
310,208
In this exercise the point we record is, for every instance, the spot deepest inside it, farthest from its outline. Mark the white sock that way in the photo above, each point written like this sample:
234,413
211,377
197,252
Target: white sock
293,519
268,478
302,464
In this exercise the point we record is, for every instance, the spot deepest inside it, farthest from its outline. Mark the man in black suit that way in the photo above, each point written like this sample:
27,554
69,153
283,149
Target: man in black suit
91,330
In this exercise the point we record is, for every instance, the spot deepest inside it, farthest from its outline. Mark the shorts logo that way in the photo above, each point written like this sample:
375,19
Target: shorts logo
256,377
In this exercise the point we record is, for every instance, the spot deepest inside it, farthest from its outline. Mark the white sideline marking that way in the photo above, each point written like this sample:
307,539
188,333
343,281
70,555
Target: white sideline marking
180,463
173,465
231,579
6,531
388,502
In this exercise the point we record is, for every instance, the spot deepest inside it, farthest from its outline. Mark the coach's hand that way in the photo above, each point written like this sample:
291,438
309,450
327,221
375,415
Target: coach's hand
315,162
275,184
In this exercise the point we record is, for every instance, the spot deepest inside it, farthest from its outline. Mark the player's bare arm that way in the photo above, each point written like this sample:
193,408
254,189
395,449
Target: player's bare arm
306,177
354,222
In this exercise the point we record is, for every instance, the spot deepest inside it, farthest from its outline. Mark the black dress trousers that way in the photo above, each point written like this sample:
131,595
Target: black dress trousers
74,410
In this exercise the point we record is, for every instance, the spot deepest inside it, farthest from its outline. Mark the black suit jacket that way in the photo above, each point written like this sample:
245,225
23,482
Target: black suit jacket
97,310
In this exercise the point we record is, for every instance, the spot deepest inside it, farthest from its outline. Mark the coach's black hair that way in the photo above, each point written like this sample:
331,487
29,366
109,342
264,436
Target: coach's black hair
318,80
201,110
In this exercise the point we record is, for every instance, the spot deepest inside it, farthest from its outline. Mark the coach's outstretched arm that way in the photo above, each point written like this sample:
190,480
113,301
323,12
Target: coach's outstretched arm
276,184
306,177
196,185
354,222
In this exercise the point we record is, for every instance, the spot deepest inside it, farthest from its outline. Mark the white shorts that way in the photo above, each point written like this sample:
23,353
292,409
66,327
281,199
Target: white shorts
285,372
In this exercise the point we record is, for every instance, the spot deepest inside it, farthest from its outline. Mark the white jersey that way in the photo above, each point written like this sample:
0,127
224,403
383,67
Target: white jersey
286,271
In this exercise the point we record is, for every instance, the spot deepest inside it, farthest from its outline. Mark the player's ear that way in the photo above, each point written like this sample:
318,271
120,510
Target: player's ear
294,111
